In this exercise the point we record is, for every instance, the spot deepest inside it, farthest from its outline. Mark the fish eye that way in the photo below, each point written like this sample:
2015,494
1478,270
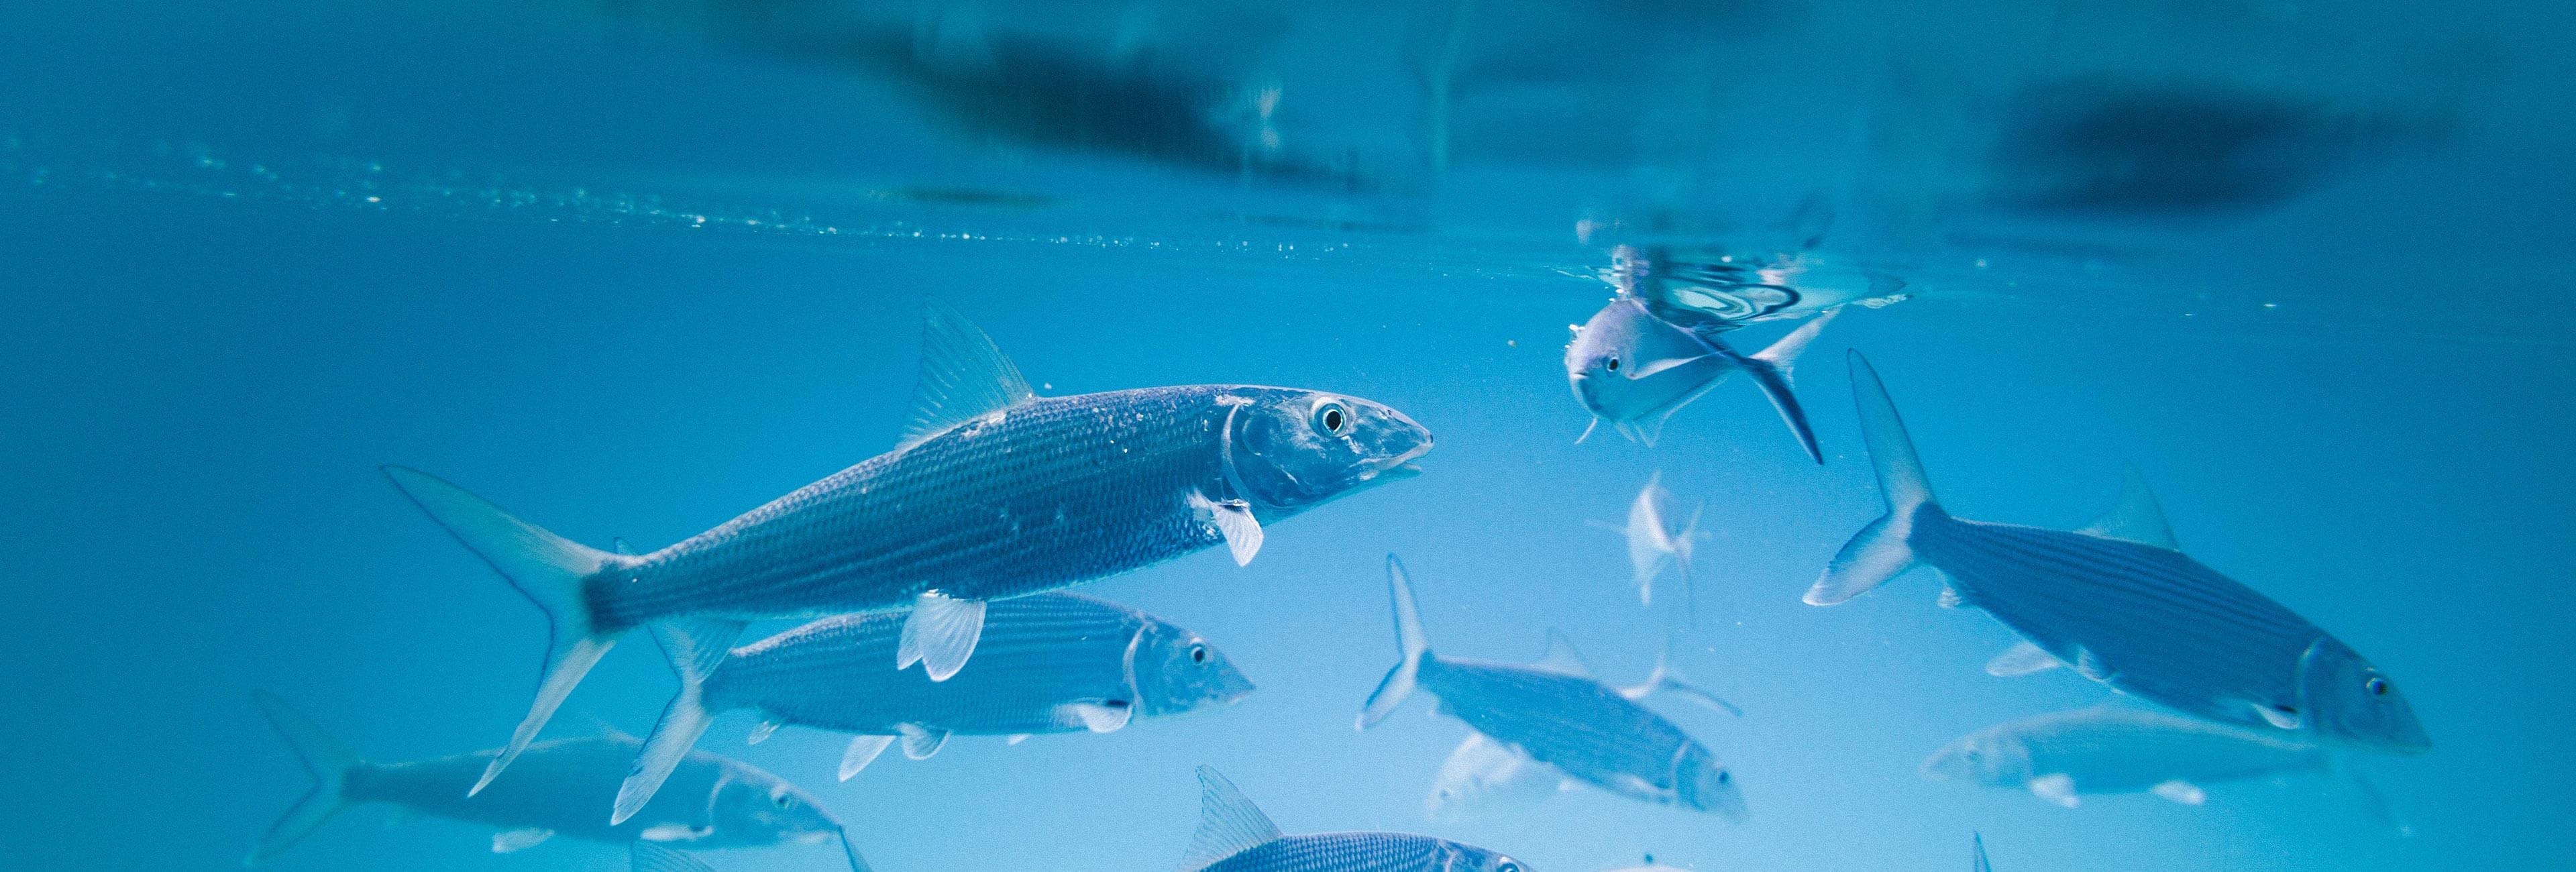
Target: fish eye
1508,866
2376,685
1198,653
1725,777
1330,417
783,800
1613,365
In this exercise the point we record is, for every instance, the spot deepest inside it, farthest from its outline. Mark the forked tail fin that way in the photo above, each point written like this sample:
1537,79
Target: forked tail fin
1770,370
1410,646
323,757
1879,551
549,569
696,648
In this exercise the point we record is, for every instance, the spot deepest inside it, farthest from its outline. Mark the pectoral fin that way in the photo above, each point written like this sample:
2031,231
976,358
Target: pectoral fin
514,841
1234,521
2023,658
2180,791
2058,788
762,731
940,634
1106,716
666,833
920,742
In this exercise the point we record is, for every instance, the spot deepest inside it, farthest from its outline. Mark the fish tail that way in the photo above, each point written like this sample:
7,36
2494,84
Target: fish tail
1665,678
696,649
323,757
1410,645
551,570
1770,370
1883,549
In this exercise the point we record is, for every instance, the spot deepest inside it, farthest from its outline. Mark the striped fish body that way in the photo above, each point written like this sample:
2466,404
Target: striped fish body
2120,751
561,785
1039,654
1571,722
1050,493
1346,852
2145,620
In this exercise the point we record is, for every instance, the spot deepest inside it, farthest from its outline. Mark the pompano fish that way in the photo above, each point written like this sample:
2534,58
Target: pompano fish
1556,713
1484,778
2119,603
2063,756
1048,663
1234,836
711,801
993,492
1654,542
1635,370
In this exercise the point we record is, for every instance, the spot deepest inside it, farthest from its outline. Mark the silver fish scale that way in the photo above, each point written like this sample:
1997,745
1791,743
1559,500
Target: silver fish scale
558,785
1571,722
2157,623
2112,750
1342,852
1054,492
1037,653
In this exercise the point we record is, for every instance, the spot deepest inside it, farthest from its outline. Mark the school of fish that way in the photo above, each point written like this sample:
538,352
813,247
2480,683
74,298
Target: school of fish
952,551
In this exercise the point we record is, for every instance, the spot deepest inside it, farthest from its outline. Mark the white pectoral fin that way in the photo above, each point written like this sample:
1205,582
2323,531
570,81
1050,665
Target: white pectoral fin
2023,658
920,742
940,634
2278,716
514,841
1233,520
761,732
2057,788
862,751
1015,739
2180,791
1104,716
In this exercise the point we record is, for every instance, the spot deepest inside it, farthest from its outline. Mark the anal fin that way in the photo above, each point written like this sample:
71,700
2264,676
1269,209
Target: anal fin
514,841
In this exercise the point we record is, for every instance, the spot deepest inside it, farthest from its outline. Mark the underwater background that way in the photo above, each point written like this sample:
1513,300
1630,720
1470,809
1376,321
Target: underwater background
631,268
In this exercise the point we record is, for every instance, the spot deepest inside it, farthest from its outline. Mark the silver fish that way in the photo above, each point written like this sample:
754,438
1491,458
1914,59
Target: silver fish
1484,778
1655,543
1556,713
712,802
1048,663
2118,602
2062,756
993,492
1234,836
1635,370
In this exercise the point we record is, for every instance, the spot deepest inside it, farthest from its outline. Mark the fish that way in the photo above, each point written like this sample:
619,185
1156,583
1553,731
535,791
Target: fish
2120,603
1048,663
1634,370
1654,543
1484,778
711,802
992,492
1555,712
2061,757
1234,836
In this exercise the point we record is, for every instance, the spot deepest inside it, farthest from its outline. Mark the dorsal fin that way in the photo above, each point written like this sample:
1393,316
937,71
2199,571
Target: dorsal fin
2138,518
1561,657
1228,823
963,377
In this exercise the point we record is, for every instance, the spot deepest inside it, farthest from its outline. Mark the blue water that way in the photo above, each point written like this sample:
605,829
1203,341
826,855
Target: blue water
631,270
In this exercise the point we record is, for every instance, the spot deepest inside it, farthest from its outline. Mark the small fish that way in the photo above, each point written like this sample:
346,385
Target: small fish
1556,713
2119,603
712,802
1635,370
2063,756
1654,543
1048,663
1484,778
1234,836
993,492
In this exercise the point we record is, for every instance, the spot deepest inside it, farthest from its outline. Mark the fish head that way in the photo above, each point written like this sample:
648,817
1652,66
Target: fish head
1289,450
1455,857
1986,757
2352,701
1178,672
1700,782
760,809
1625,363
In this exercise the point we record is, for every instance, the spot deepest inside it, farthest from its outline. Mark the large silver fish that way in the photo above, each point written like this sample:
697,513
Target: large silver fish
1048,663
711,802
1635,370
2062,756
1234,836
993,492
1556,713
2118,602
